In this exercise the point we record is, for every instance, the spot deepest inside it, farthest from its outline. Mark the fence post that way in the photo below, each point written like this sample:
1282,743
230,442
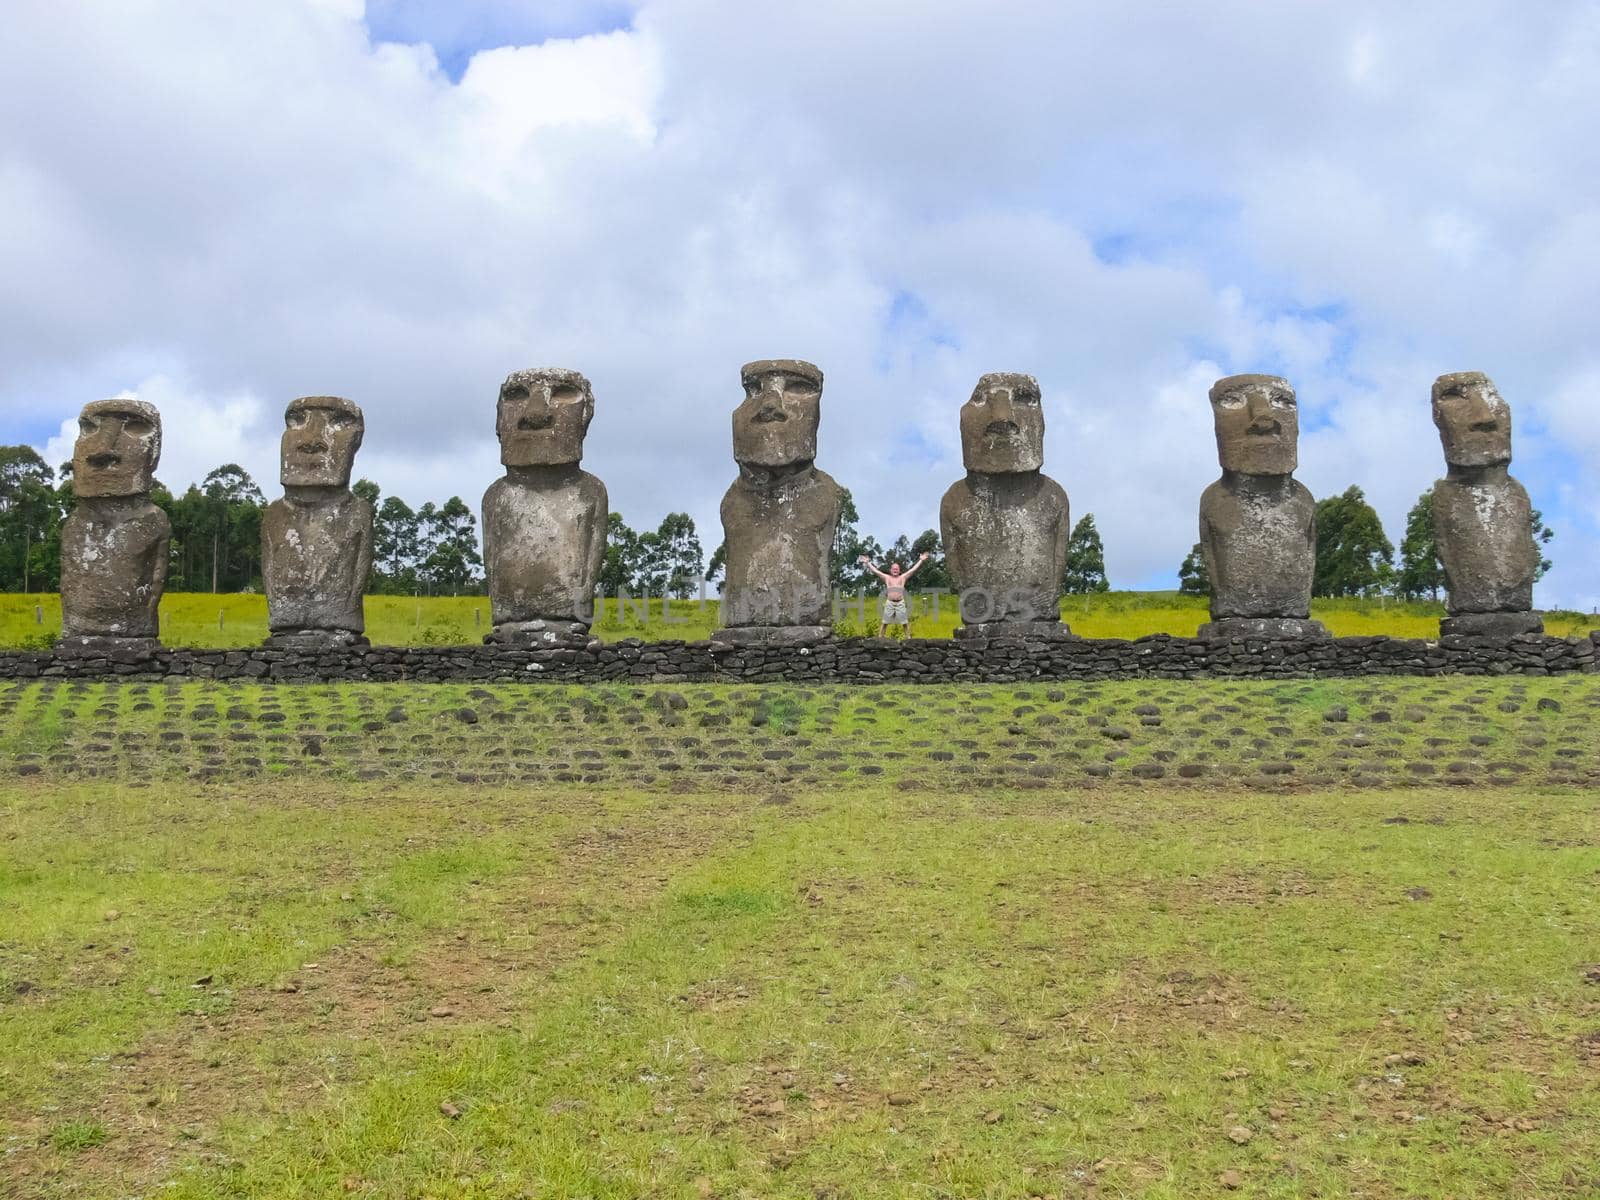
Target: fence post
38,614
219,618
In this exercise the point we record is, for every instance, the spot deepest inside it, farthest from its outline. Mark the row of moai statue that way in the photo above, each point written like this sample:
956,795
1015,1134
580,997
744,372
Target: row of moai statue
1005,525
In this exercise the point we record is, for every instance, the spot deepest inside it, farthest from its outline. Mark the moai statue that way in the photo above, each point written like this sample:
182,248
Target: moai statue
1005,526
316,542
779,517
114,545
544,521
1482,518
1258,524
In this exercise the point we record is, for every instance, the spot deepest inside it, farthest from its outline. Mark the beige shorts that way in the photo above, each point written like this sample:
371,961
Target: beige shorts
894,613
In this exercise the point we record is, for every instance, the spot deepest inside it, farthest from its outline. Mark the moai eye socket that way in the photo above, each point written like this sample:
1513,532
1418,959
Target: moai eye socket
297,419
1284,400
799,388
516,393
87,425
1231,400
565,394
136,425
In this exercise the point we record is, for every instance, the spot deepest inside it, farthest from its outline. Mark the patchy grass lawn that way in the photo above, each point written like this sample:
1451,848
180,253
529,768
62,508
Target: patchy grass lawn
958,977
239,620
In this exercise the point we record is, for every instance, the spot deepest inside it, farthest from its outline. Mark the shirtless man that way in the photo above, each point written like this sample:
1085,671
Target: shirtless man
895,611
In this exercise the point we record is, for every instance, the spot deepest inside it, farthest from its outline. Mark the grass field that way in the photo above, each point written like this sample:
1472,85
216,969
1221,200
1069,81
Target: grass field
1128,939
232,621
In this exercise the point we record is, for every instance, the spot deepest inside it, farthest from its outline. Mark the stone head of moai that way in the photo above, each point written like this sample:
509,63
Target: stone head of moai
543,416
776,424
118,448
1258,424
1002,425
321,435
1474,421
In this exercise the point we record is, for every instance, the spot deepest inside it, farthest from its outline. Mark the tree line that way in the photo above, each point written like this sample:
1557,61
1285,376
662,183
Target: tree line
216,532
1356,558
433,550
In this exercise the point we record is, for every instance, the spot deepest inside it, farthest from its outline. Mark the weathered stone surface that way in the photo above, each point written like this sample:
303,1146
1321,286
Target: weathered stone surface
780,514
544,522
316,542
848,660
1262,627
1258,524
1050,631
1005,526
774,635
1482,517
1491,624
114,545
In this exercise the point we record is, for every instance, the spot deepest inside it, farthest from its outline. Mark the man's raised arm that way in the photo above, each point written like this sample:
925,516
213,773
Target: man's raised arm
868,563
916,566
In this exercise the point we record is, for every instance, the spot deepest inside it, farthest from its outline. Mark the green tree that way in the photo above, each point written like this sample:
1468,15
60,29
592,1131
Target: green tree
395,545
452,540
30,521
1542,534
1420,572
1086,560
935,573
845,572
233,505
717,564
670,559
1193,577
619,570
1354,557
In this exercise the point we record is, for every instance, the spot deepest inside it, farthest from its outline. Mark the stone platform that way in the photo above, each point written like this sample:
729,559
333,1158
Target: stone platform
849,660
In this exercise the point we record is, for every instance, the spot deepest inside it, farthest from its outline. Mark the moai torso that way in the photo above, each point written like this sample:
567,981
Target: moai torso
779,536
315,559
1259,537
1005,539
1484,532
544,537
113,567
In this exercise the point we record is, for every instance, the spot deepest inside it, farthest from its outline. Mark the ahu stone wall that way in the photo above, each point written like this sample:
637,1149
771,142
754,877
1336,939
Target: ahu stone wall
850,660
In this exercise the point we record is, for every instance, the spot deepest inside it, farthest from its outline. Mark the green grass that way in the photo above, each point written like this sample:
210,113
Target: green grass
989,976
235,620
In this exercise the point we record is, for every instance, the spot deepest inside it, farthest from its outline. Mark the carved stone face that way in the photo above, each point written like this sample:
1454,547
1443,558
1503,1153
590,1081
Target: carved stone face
118,447
320,438
1002,426
776,426
1474,421
1258,424
543,416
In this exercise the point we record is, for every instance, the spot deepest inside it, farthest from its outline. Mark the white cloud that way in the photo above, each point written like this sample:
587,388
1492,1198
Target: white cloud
224,208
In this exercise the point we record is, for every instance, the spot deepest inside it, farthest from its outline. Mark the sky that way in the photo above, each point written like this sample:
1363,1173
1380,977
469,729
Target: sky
218,208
